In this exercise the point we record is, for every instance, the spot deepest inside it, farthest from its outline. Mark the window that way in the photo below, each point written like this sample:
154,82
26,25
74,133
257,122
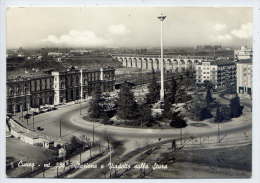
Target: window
37,85
249,91
11,91
43,84
241,89
33,85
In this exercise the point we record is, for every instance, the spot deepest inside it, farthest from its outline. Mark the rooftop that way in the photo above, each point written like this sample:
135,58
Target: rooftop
222,62
245,61
18,75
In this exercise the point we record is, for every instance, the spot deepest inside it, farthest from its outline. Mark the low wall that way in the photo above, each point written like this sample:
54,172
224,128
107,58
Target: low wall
28,136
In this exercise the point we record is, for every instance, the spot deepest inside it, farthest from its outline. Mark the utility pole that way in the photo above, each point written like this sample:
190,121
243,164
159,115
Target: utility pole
60,128
218,133
80,107
142,76
181,135
80,157
22,112
81,88
33,121
108,143
27,118
93,130
110,160
161,18
43,173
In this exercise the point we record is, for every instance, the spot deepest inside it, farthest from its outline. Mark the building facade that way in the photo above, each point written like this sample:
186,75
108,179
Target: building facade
221,73
56,88
18,95
243,53
244,77
78,84
41,88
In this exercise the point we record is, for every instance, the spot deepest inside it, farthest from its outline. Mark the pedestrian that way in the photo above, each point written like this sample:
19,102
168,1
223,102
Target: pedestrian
173,145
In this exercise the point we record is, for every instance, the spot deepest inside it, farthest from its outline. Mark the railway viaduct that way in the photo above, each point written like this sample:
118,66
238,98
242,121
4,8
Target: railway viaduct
149,62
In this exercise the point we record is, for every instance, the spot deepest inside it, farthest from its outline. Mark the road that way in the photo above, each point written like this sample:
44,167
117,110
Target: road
131,138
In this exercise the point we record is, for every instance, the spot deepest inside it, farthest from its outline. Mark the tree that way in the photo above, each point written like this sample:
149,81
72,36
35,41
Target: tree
236,108
189,77
209,97
226,112
231,89
106,119
167,113
95,110
177,121
172,90
219,115
96,93
205,113
145,114
199,108
207,84
76,142
182,96
153,94
127,106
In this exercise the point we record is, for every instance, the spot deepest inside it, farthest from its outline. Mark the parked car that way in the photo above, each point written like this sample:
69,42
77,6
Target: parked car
27,116
40,128
35,113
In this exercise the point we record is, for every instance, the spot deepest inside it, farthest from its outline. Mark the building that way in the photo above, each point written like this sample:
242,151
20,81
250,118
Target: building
244,77
55,54
24,93
243,53
78,84
18,95
41,89
221,73
79,52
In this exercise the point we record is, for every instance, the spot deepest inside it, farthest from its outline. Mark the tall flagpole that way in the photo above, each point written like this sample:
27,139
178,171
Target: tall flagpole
161,18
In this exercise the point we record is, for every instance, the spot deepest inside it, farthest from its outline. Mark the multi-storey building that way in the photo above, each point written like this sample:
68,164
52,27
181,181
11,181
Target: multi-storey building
243,53
41,88
221,73
18,95
56,88
66,86
244,77
76,84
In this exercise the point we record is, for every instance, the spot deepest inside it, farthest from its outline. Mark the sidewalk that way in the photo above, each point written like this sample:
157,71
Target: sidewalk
74,162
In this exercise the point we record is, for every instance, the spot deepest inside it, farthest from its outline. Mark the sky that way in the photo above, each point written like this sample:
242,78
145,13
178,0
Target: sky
135,27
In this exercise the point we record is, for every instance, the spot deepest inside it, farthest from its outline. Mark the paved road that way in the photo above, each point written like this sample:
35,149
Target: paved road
73,124
132,138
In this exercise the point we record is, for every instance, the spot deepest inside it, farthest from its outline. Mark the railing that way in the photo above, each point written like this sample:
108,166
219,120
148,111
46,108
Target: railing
165,56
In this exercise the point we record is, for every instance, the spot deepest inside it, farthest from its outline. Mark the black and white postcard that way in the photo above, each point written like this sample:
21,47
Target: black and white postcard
129,92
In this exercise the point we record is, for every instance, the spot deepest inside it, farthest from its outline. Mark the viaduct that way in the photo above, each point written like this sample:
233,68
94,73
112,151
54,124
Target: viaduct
171,62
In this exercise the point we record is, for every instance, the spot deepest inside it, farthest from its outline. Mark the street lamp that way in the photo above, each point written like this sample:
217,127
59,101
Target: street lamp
162,18
80,107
